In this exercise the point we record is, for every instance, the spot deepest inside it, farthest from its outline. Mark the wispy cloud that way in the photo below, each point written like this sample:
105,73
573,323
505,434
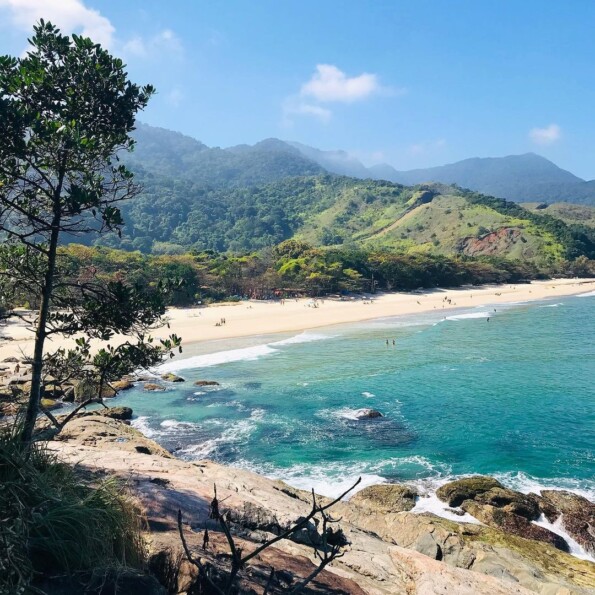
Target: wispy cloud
295,107
175,97
545,136
330,84
164,42
68,15
424,147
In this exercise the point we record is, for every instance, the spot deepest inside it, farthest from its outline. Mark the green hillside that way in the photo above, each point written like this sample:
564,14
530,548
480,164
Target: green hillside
175,216
572,214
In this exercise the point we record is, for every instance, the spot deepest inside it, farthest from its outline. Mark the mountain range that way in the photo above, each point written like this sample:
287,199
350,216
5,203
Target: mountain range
521,178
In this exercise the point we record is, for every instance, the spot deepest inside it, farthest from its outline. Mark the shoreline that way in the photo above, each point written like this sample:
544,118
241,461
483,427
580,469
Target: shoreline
255,318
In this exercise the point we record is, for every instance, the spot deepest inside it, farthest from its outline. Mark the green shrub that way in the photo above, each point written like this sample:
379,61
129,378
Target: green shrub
54,522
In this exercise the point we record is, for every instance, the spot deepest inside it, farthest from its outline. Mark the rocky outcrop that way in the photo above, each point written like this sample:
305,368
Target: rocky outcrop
456,492
511,502
368,414
578,515
172,378
491,503
389,552
152,387
386,498
512,523
495,242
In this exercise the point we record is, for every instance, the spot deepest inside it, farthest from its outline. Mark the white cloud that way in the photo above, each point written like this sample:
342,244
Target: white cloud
69,15
545,136
329,83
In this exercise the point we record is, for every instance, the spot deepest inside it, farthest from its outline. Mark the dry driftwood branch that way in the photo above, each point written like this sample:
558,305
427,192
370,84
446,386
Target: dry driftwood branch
324,551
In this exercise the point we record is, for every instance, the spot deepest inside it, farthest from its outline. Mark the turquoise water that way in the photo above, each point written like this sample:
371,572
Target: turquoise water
512,397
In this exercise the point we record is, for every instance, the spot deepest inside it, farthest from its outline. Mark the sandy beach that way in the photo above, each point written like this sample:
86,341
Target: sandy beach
250,318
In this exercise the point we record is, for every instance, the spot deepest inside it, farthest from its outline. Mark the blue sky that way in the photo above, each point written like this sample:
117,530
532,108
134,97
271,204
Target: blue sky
411,83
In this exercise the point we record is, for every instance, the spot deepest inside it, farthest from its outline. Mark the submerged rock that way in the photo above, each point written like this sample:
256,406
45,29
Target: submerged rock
456,492
386,498
172,378
206,383
153,387
368,414
578,515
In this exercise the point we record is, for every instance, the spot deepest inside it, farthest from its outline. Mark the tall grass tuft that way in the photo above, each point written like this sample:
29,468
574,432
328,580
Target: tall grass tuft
53,522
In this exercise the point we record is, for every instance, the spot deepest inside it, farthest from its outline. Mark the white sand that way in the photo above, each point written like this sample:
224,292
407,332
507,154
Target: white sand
257,318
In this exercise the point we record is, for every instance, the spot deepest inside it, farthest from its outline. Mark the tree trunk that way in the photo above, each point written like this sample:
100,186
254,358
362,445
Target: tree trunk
40,331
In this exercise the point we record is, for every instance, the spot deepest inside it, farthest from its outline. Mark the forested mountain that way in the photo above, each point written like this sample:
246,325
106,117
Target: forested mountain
251,197
162,152
522,178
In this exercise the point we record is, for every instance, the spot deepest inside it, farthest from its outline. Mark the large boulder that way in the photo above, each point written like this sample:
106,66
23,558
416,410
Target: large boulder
122,384
386,498
512,523
172,378
578,515
85,389
511,501
456,492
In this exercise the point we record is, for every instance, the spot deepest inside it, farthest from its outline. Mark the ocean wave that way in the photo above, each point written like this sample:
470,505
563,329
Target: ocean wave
469,316
368,395
235,355
218,358
522,482
589,294
141,424
305,337
552,305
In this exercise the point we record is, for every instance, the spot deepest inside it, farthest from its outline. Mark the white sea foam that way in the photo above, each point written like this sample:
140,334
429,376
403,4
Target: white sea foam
552,305
174,424
558,528
431,503
343,413
142,425
237,433
305,337
589,294
521,482
368,395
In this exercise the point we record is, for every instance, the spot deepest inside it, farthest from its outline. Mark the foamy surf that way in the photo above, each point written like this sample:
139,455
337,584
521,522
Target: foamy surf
235,355
469,316
589,294
218,358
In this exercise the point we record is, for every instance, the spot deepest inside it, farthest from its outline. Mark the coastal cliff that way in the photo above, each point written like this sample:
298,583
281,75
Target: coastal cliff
390,550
